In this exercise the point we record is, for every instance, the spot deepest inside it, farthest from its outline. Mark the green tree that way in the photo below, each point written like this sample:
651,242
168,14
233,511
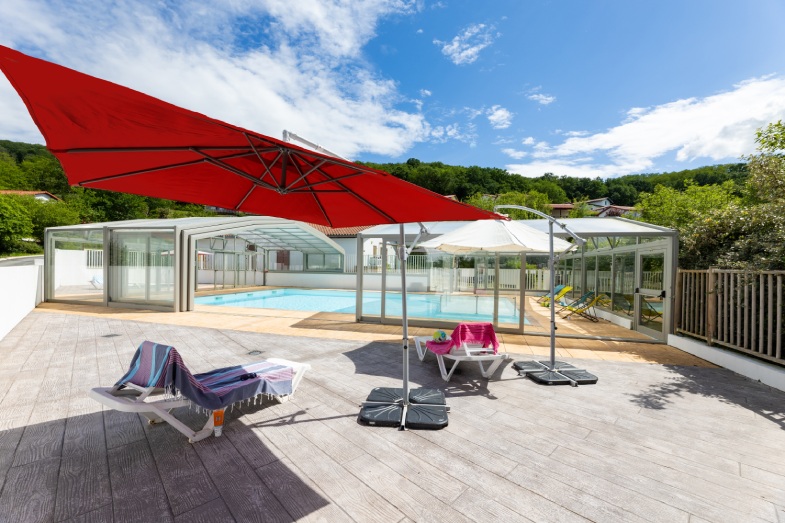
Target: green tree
15,222
767,169
44,173
676,209
532,199
49,214
581,210
11,176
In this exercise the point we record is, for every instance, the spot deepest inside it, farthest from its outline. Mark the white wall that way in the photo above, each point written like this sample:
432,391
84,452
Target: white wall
767,373
71,268
22,289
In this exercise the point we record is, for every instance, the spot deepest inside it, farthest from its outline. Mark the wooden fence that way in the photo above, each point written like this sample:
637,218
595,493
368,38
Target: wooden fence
736,309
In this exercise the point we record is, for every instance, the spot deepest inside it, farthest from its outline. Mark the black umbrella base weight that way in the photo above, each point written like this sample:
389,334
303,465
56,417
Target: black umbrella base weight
384,407
561,373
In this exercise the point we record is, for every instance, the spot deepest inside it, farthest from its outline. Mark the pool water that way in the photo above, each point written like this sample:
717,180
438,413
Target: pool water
436,306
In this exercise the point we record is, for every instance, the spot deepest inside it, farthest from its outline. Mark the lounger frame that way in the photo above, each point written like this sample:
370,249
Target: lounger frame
141,400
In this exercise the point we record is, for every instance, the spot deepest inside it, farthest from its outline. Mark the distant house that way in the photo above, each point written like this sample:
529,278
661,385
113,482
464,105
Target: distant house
601,206
561,210
41,196
617,210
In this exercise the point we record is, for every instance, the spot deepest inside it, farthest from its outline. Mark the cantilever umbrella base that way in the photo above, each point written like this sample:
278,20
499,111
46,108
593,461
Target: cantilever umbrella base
561,373
384,407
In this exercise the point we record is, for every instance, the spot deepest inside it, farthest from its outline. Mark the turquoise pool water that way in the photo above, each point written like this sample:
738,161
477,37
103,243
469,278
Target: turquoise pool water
436,306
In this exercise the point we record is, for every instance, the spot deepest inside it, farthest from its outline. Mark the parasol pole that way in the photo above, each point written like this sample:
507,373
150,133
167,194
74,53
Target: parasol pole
552,258
403,254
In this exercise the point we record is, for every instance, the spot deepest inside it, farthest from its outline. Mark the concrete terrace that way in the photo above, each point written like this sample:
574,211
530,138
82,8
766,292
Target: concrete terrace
663,436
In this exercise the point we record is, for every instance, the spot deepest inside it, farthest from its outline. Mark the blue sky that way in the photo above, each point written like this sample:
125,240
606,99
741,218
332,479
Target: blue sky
573,87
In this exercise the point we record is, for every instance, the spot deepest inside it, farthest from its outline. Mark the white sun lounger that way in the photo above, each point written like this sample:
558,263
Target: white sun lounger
155,405
479,351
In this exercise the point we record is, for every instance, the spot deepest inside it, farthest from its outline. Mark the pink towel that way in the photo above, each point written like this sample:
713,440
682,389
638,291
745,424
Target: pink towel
439,347
466,333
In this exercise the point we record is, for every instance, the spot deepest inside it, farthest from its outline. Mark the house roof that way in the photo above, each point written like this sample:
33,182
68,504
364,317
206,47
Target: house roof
620,207
561,205
30,193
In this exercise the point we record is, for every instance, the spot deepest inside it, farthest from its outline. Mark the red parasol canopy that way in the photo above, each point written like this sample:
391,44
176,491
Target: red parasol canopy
110,137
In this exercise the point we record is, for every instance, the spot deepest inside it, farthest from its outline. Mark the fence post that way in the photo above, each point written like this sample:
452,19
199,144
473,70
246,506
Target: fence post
711,305
677,301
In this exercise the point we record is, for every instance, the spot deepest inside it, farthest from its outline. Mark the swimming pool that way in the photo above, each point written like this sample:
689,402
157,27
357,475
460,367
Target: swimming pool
436,306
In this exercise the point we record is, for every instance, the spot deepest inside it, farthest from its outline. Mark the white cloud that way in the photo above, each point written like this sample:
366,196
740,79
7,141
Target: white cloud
266,65
465,48
529,140
720,127
425,93
499,117
542,99
515,154
444,133
535,95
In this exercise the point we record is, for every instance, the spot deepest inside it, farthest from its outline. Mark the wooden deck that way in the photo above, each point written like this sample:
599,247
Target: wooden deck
662,437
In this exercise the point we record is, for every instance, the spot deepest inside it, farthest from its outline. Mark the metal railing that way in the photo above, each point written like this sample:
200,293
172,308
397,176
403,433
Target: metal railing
736,309
415,264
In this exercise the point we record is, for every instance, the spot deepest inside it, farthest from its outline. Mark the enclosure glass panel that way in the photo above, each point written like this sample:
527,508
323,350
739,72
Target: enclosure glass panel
78,265
604,279
590,268
624,282
142,267
577,277
651,271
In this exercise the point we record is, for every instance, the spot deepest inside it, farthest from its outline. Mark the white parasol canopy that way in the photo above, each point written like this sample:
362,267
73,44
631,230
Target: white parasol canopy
495,236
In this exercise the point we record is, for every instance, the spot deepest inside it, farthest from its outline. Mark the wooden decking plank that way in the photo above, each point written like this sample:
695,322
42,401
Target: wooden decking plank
82,486
762,476
254,449
214,511
303,499
40,441
659,482
137,492
245,495
439,485
730,479
610,488
185,480
122,428
9,440
407,496
526,502
648,442
29,491
481,507
343,488
99,515
84,434
570,498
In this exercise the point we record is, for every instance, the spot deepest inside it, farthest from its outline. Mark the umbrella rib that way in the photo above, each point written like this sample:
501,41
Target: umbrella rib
154,149
305,175
233,170
337,180
268,171
261,160
145,171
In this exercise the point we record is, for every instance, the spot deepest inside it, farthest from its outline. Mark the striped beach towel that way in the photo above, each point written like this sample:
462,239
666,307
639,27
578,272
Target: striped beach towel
157,365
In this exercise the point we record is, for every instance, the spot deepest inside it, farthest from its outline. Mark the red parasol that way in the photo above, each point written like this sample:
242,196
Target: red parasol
110,137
